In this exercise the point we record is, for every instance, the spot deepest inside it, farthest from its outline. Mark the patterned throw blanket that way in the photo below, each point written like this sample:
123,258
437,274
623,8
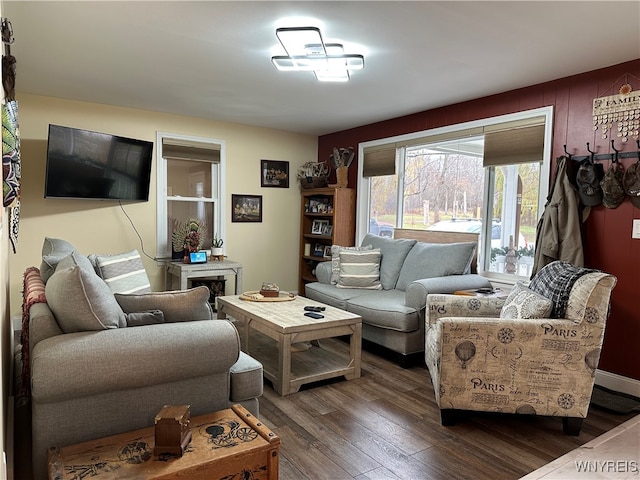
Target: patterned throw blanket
32,292
554,281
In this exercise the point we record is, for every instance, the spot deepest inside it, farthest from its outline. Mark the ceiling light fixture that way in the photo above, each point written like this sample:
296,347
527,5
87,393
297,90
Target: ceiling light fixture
307,52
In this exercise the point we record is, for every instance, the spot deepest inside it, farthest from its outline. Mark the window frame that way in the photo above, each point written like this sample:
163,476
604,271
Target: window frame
218,194
363,205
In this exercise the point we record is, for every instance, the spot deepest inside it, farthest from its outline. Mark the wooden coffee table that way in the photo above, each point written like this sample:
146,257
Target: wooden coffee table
268,330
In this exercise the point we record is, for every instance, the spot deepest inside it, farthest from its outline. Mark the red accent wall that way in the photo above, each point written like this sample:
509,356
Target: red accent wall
608,243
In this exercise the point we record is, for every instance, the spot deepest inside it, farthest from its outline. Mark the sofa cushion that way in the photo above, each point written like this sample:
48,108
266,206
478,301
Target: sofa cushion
176,305
75,258
246,378
335,259
81,301
360,269
429,260
525,303
393,254
123,272
53,250
385,309
330,294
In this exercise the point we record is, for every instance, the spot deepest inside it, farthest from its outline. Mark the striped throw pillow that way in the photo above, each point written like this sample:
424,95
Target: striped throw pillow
124,273
360,269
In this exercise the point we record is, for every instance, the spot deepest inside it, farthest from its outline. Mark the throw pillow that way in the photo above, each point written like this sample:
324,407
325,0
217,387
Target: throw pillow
73,259
53,250
525,303
139,319
124,272
360,269
393,253
335,259
176,305
81,301
429,260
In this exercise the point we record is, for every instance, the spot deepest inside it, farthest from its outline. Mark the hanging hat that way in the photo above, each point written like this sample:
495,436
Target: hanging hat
632,183
612,186
588,181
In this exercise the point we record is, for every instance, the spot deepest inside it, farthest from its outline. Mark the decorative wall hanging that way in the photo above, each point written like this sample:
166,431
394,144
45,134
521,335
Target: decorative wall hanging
11,168
621,110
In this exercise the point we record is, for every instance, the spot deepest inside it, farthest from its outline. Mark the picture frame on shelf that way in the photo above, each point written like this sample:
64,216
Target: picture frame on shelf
274,173
246,208
327,229
327,251
318,250
318,226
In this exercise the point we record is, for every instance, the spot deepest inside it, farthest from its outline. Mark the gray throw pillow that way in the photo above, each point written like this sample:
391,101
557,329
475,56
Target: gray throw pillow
525,303
176,305
335,260
429,260
81,301
393,253
360,269
53,250
123,272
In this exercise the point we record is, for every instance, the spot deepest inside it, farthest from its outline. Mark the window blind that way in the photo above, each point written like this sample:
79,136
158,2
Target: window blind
173,148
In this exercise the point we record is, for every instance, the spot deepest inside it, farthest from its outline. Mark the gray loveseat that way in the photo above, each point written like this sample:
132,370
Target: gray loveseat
93,373
393,316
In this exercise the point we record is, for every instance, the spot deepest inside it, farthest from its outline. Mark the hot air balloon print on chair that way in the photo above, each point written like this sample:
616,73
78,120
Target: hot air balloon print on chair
465,351
536,365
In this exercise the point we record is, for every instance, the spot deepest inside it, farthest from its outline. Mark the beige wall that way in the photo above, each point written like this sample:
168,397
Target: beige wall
268,250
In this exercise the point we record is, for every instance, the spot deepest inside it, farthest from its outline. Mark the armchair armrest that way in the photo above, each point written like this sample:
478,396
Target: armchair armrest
417,291
87,363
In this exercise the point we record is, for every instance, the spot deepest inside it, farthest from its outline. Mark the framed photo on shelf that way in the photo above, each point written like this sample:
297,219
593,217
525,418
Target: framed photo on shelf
327,251
246,208
318,226
318,250
327,229
274,173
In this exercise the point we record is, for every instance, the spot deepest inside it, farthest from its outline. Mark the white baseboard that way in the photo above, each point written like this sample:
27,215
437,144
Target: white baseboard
616,382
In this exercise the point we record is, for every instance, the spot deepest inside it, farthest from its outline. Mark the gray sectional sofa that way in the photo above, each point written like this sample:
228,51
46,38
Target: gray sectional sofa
393,314
96,362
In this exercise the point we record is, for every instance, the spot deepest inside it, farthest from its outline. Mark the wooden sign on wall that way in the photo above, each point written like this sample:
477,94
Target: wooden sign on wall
622,109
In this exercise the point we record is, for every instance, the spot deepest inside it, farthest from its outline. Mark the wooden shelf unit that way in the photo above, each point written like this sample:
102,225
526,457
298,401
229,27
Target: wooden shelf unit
336,206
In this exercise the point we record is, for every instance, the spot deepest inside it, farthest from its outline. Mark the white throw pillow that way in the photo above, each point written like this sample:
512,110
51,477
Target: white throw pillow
360,269
124,272
525,303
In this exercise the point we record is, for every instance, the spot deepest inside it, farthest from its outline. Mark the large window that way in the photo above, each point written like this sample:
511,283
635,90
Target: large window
190,173
488,177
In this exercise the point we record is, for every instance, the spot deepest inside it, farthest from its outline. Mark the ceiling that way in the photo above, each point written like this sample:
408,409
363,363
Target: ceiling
211,59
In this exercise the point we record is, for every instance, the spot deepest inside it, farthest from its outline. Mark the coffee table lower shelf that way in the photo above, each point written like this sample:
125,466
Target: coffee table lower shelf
307,366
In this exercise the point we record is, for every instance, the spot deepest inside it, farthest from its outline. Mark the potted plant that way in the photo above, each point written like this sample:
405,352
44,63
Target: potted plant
216,246
187,237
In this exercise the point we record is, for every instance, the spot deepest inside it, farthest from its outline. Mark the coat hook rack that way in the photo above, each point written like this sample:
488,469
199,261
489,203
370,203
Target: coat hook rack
614,156
593,154
568,155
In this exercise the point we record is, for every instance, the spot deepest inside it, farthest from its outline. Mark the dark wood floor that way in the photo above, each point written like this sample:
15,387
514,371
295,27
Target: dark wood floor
386,425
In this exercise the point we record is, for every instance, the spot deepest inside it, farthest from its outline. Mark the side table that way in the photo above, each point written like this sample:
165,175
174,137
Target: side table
183,272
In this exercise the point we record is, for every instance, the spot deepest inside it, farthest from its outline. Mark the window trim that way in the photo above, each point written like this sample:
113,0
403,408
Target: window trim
163,250
363,206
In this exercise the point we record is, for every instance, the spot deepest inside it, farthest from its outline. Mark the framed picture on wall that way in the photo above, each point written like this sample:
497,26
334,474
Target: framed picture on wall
274,173
246,208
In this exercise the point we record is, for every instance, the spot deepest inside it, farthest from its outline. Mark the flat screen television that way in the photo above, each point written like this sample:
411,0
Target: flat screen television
96,166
